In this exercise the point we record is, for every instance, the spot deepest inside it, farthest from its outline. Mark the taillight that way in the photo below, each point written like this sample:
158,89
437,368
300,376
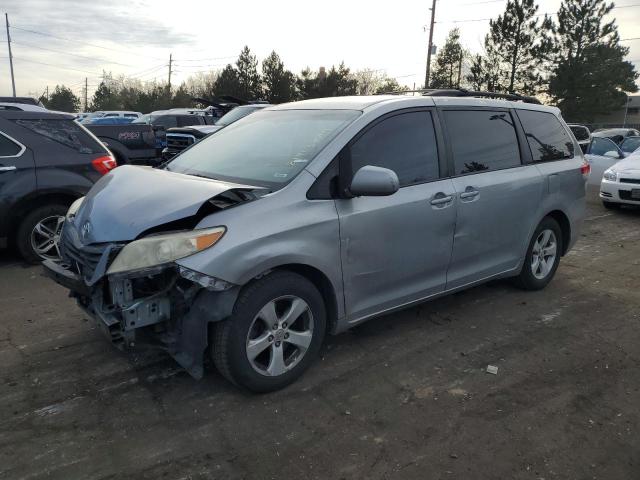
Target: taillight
585,169
104,164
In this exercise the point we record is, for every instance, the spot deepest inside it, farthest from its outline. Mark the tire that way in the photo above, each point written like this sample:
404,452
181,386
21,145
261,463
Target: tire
534,276
46,213
610,205
232,338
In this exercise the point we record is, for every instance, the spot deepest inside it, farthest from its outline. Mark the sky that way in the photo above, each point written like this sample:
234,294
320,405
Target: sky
66,41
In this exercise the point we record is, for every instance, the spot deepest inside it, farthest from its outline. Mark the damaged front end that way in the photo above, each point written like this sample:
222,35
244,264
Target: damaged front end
137,292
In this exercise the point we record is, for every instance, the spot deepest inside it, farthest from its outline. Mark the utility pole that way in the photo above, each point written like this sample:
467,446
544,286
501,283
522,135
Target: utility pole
170,62
86,90
430,47
13,80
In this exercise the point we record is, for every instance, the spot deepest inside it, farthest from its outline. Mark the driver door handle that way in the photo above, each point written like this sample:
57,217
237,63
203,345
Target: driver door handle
7,169
469,194
441,200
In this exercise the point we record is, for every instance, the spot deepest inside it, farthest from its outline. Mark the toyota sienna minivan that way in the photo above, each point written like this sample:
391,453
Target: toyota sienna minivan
308,218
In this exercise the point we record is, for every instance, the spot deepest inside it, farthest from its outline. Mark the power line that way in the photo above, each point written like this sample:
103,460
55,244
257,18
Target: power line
76,41
71,54
62,67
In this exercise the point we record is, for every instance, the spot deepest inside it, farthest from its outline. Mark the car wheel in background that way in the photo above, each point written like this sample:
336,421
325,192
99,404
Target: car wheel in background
610,205
38,235
543,256
275,332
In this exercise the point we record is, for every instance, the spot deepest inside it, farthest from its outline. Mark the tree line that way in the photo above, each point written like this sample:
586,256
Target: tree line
574,61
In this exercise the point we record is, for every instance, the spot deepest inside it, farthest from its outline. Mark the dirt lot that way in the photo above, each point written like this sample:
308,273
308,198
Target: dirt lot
404,396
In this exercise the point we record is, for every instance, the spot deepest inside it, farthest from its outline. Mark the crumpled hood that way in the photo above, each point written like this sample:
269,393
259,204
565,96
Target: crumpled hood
131,199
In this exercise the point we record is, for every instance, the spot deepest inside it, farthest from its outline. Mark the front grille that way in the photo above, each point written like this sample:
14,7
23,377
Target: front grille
630,180
83,258
626,195
179,141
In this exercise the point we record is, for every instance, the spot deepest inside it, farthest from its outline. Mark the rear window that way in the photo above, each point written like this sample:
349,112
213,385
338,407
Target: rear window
482,140
66,132
8,148
581,133
547,138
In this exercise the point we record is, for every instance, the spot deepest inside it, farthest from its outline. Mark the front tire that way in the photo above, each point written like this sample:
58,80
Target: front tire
38,234
543,256
273,335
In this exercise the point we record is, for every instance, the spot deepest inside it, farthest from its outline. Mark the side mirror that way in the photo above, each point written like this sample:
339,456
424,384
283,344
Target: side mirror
612,154
372,181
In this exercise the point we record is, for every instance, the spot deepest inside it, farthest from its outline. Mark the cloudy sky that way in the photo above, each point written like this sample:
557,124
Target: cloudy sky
64,41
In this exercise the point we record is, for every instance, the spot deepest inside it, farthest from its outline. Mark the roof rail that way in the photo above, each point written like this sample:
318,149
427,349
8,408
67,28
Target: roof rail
462,92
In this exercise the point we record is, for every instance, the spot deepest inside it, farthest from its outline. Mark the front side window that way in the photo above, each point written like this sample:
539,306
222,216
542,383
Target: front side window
482,140
8,148
630,144
404,143
603,147
268,148
547,138
66,132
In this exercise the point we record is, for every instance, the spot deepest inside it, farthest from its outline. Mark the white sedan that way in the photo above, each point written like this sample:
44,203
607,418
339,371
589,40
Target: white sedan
621,183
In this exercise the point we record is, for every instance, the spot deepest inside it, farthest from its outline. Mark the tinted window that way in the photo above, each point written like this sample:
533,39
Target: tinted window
266,148
482,140
166,121
547,138
404,143
581,133
8,148
131,115
66,132
186,120
630,144
600,146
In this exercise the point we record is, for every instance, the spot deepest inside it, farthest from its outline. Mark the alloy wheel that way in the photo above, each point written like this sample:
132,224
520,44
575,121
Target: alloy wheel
45,237
544,254
279,335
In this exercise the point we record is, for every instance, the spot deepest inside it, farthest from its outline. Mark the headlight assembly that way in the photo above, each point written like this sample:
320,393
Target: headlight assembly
160,249
74,208
610,175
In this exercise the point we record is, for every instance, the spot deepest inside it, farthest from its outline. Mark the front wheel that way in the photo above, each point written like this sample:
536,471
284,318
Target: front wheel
543,256
274,334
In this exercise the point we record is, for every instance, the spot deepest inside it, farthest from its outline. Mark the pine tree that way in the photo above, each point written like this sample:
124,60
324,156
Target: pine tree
517,41
62,99
448,63
228,83
249,80
279,83
589,75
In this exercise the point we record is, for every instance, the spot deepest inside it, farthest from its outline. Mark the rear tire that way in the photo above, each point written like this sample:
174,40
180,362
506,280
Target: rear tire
48,221
610,205
246,348
543,256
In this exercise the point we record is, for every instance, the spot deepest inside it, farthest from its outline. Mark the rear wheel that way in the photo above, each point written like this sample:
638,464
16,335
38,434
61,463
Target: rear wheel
543,256
274,334
38,235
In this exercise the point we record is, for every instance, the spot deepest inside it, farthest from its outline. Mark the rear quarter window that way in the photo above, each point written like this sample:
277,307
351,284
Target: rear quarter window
66,132
8,148
547,138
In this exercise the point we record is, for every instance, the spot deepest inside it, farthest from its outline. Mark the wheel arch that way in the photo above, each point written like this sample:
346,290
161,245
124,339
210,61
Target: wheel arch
565,227
22,208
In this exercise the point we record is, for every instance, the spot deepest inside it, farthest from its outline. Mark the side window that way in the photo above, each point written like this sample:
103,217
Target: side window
8,148
166,121
482,140
111,115
547,138
601,146
66,132
187,120
404,143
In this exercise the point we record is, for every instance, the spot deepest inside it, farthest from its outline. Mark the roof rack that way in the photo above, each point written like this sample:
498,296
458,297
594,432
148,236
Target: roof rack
462,92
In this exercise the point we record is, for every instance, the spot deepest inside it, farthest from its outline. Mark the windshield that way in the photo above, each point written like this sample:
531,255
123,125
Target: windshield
235,114
267,148
581,133
630,144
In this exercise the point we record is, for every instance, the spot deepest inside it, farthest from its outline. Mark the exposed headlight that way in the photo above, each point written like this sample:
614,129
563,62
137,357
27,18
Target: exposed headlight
74,208
610,175
160,249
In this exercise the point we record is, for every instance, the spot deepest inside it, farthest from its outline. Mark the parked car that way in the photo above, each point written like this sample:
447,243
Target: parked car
180,138
22,100
617,135
630,145
81,116
601,154
582,134
110,114
132,143
21,107
620,183
47,161
312,217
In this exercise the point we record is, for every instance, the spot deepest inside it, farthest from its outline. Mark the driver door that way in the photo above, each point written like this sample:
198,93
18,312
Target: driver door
602,154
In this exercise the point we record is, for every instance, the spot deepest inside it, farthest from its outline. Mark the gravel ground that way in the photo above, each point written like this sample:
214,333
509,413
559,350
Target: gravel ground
403,396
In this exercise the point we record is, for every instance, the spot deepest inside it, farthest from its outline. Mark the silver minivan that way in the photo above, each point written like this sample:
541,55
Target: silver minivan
308,218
